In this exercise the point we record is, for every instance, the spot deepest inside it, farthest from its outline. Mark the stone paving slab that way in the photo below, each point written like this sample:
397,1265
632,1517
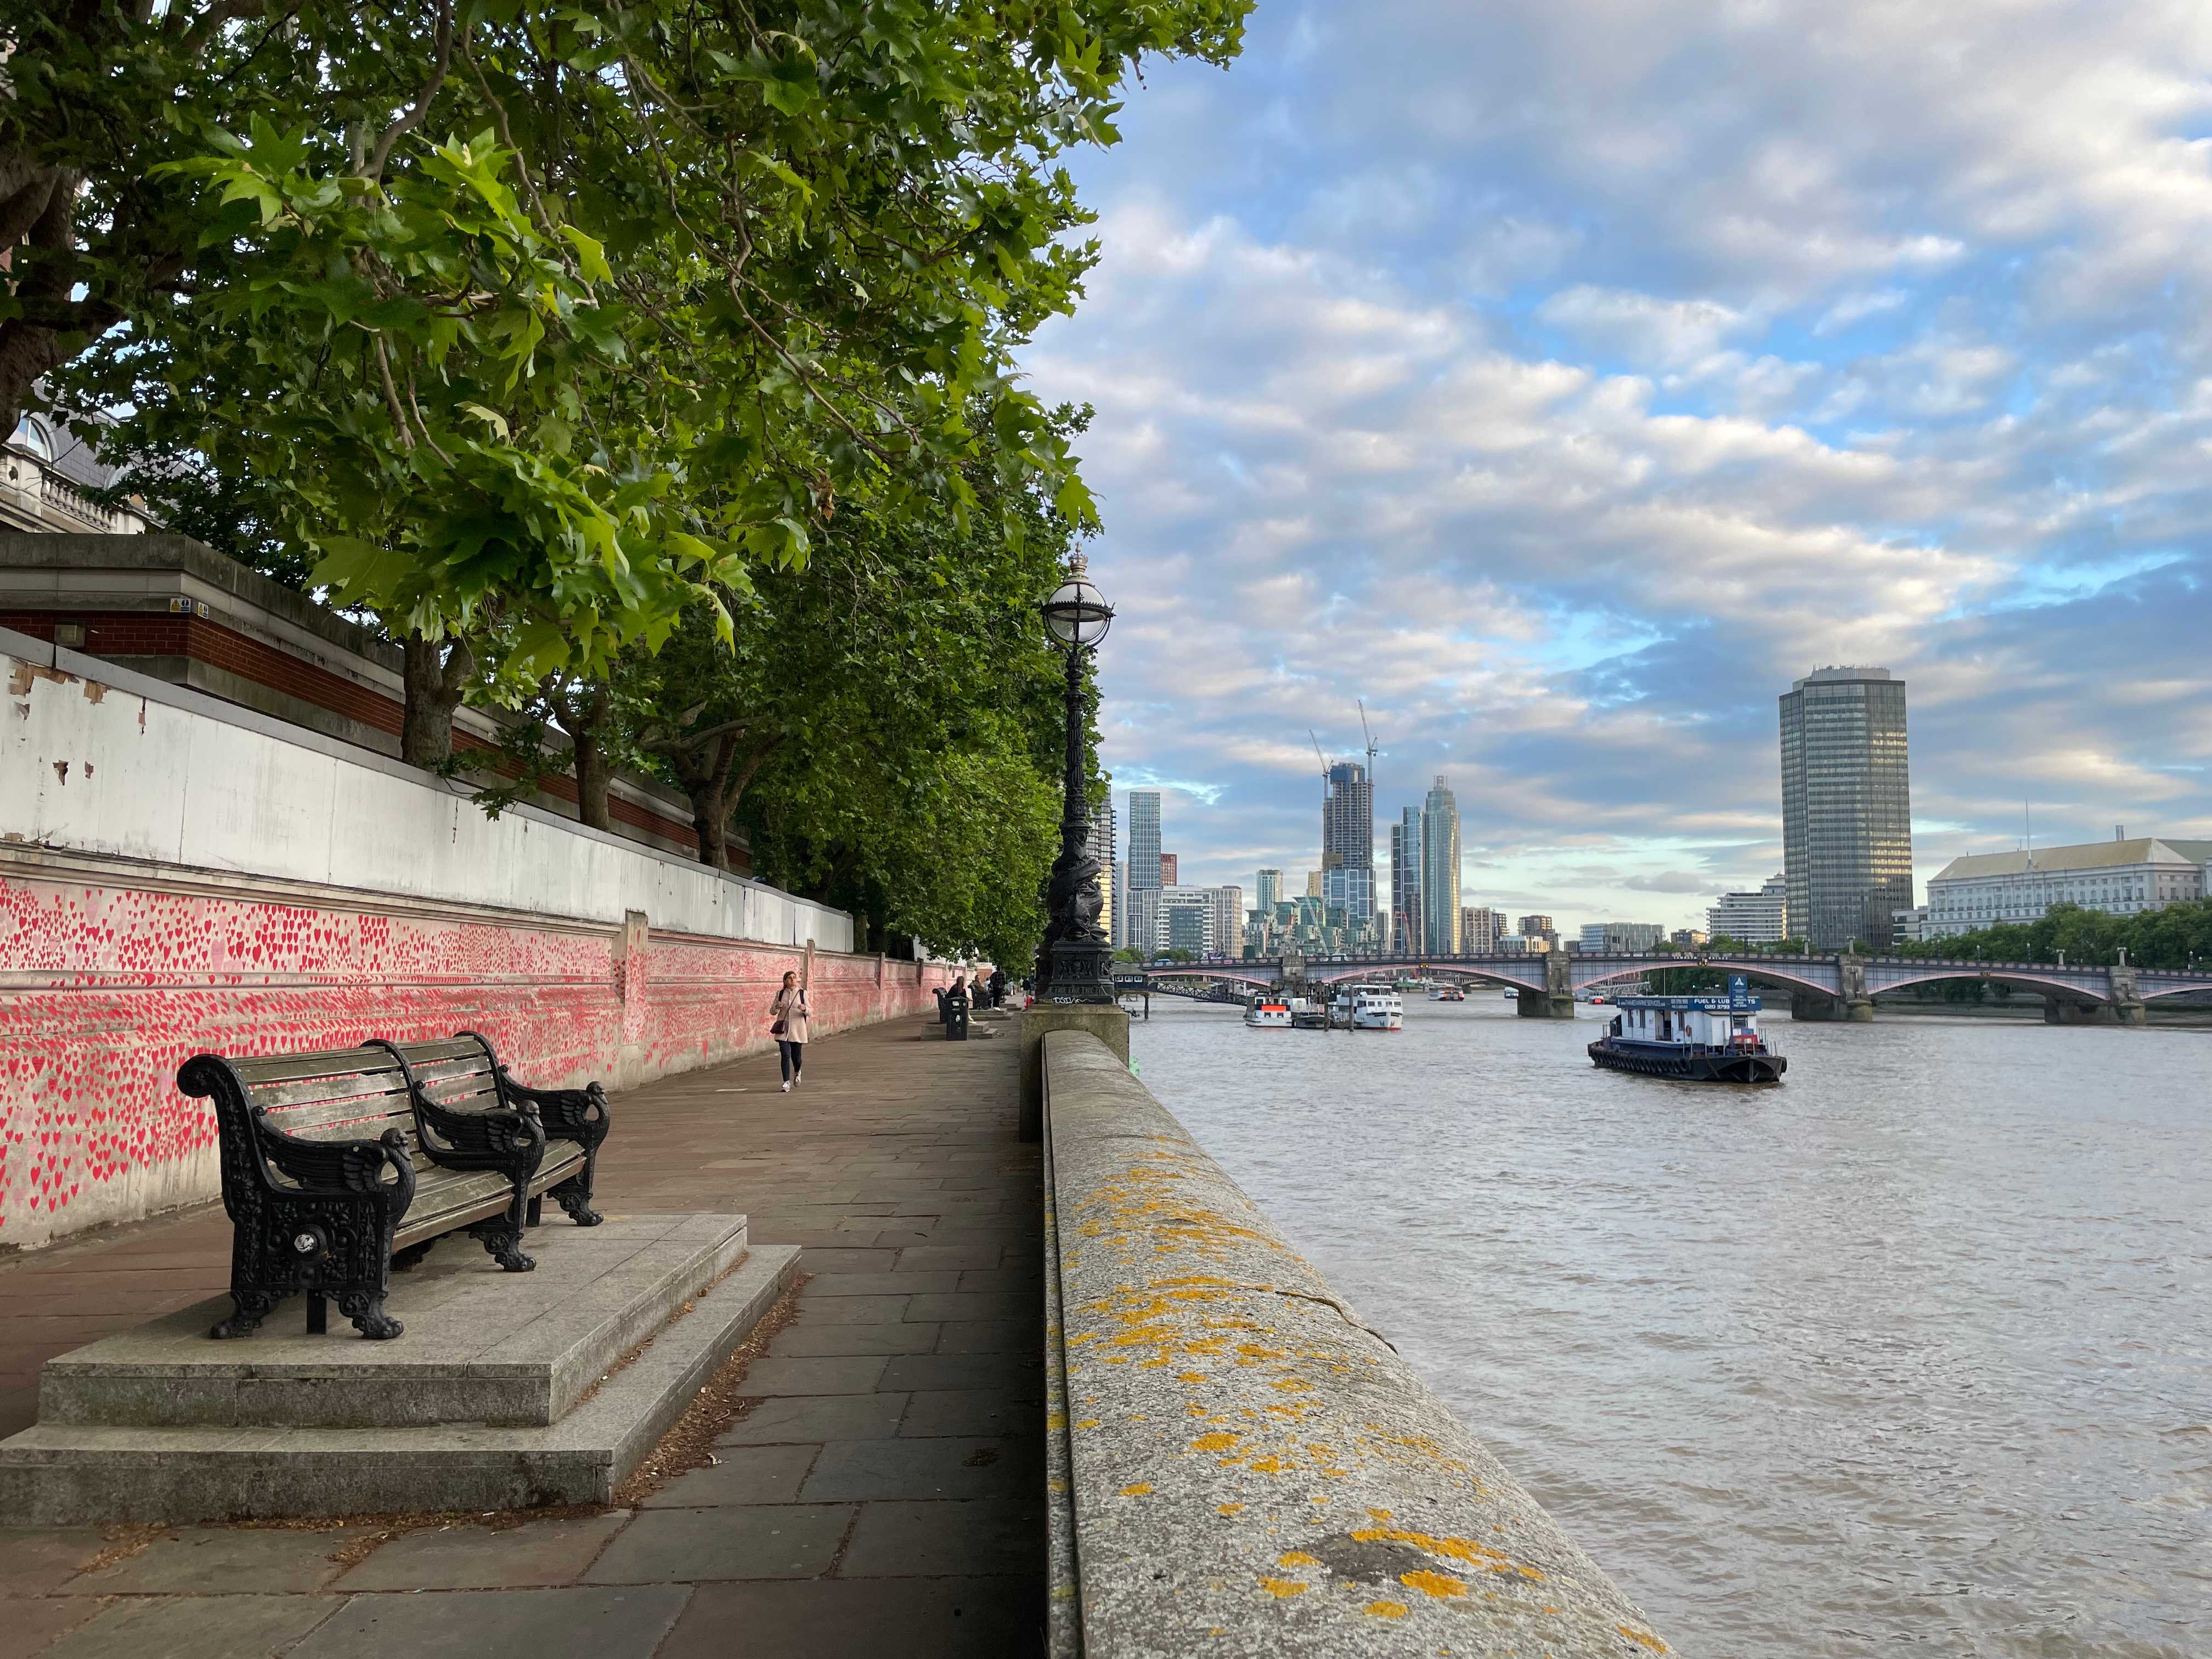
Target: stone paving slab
914,1575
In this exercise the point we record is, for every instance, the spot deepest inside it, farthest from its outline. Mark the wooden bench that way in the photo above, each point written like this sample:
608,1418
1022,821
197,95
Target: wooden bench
339,1165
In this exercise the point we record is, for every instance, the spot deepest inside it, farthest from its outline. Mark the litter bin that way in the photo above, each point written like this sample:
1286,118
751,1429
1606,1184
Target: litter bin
956,1019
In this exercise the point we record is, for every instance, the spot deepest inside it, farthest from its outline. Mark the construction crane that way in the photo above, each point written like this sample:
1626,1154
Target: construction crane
1369,732
1318,756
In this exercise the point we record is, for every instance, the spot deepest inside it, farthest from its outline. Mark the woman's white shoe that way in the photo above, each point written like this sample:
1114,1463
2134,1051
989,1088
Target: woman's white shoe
786,1086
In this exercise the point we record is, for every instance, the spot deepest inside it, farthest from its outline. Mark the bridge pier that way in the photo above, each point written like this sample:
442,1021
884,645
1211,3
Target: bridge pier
2057,1011
1556,999
1812,1006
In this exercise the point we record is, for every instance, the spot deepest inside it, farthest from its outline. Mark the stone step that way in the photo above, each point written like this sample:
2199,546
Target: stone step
480,1346
63,1474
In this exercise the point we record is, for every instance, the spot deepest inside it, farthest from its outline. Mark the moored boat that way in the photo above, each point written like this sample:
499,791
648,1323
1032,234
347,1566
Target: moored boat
1446,993
1708,1039
1371,1008
1269,1012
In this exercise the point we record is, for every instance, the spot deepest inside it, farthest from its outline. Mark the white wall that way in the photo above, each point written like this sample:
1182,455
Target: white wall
96,758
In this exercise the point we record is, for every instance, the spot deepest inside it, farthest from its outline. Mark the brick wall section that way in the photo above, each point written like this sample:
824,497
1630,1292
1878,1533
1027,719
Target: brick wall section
104,990
122,635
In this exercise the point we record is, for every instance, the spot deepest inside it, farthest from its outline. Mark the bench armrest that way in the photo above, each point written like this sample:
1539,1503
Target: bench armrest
495,1139
340,1168
577,1114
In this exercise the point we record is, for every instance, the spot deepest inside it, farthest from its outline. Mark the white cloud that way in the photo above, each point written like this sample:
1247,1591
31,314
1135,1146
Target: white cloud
1567,404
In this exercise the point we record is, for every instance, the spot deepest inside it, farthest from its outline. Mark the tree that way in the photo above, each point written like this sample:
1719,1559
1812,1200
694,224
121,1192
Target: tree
546,326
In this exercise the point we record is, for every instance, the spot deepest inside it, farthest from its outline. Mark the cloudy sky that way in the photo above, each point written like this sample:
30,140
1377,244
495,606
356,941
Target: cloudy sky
1565,377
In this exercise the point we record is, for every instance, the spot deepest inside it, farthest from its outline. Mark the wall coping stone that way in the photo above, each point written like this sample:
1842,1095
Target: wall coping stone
54,660
1248,1469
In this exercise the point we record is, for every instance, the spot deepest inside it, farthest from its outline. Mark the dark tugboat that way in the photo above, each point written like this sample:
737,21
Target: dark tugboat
1698,1039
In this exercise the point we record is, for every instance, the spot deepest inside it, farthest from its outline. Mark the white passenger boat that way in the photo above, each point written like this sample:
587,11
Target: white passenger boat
1268,1011
1372,1007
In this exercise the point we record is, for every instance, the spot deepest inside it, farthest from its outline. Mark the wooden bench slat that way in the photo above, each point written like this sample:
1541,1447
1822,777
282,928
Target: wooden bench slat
444,1070
328,1062
419,1054
311,1091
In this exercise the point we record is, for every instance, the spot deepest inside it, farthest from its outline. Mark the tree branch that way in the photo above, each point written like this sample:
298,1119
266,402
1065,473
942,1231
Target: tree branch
421,106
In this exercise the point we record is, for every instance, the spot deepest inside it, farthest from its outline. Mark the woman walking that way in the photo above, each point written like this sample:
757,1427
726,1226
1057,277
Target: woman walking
788,1011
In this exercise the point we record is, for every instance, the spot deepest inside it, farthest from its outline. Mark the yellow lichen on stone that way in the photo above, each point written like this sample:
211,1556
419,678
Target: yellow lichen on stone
1443,1586
1285,1586
1453,1549
1644,1636
1140,1489
1386,1610
1296,1559
1378,1514
1220,1440
1088,1422
1229,1509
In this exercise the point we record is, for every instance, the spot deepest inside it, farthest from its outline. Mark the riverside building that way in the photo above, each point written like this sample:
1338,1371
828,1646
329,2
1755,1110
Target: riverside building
1479,928
1618,938
2120,877
1268,891
1846,805
1102,848
1759,918
1185,920
1406,934
1440,869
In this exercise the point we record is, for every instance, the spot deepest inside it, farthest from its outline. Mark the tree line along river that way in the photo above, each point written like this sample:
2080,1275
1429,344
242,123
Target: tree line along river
1915,1347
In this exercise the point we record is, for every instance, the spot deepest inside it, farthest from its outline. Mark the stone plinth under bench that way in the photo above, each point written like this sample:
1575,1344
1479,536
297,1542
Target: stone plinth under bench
505,1391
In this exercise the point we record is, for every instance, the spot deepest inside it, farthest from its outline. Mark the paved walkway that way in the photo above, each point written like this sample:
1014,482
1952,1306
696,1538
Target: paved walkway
883,1496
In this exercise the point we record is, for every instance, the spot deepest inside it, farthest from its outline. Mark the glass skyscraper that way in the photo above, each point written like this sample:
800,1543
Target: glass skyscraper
1846,807
1440,871
1144,840
1405,931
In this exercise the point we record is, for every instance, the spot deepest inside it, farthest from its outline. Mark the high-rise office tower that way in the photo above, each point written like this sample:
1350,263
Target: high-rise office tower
1846,806
1228,921
1121,930
1167,867
1270,891
1406,928
1313,884
1144,840
1479,929
1347,818
1440,870
1102,848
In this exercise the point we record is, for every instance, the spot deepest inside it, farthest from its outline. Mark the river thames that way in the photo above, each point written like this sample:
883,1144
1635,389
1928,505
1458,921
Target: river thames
1913,1348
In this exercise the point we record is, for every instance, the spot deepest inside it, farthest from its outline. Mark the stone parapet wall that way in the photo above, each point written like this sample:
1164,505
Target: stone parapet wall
177,876
1236,1464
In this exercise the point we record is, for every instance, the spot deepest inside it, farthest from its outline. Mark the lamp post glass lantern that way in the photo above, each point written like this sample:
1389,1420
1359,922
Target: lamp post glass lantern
1076,961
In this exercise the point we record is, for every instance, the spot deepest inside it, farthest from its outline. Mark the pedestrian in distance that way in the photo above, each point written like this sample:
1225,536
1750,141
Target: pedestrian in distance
788,1015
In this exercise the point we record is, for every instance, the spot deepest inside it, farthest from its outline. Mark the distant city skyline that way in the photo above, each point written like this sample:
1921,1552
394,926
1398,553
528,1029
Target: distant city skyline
1568,418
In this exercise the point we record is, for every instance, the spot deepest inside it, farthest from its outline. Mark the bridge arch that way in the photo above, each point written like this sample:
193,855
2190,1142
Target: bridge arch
1761,972
2015,976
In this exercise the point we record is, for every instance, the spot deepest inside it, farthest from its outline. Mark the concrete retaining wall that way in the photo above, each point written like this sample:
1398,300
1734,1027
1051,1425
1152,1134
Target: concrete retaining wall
177,876
1237,1465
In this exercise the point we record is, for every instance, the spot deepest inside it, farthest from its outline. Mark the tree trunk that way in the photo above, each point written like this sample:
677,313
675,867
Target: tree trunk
434,673
585,717
710,820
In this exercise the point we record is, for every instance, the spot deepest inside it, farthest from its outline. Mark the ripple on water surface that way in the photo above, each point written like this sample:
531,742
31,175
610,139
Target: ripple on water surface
1916,1347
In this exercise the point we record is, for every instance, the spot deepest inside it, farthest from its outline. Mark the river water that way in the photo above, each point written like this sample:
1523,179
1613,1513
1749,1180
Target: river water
1915,1348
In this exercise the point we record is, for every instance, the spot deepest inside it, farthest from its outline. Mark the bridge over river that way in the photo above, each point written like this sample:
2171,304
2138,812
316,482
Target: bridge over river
1839,987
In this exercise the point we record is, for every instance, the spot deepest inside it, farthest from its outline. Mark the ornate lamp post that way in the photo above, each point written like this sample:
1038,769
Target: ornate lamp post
1076,961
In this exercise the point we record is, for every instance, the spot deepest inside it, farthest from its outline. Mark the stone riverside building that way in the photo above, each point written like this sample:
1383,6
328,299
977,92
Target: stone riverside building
2121,877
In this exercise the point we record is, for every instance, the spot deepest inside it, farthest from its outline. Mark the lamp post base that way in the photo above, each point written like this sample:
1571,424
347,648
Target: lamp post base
1081,971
